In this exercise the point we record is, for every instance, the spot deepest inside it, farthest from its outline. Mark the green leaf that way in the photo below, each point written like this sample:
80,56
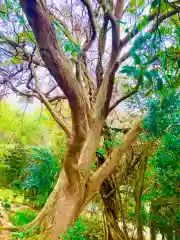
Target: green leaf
154,73
148,93
137,59
159,84
101,151
178,63
177,82
143,23
133,3
155,3
16,61
145,20
149,76
67,47
131,10
131,71
126,30
119,21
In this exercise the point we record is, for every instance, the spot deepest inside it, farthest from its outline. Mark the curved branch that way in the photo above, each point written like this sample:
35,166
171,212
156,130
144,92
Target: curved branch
133,33
55,98
153,28
57,64
106,88
20,50
150,18
93,25
48,105
51,90
101,49
126,95
115,31
111,162
21,93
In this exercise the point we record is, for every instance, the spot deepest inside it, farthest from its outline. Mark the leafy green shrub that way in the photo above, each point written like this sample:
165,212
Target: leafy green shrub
3,177
85,228
39,203
25,234
76,232
41,174
22,217
6,204
94,228
15,160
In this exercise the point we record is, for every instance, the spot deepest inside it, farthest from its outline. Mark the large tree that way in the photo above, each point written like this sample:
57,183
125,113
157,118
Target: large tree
81,45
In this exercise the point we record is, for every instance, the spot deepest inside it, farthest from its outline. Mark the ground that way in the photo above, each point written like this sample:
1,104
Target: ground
17,205
16,201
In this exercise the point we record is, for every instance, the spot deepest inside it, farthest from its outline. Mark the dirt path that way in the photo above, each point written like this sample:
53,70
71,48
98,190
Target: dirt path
4,220
5,235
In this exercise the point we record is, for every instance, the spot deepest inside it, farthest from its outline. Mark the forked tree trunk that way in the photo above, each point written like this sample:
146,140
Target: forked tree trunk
68,200
75,186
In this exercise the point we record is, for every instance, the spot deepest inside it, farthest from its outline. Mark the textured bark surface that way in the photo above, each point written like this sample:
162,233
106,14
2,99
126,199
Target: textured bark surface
111,210
139,185
60,210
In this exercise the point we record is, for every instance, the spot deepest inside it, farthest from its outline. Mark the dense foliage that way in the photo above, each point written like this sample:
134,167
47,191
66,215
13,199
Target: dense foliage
40,175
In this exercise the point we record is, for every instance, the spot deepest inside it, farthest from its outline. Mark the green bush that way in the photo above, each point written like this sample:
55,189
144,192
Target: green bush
15,159
76,232
6,204
94,228
40,175
86,228
3,177
28,234
22,217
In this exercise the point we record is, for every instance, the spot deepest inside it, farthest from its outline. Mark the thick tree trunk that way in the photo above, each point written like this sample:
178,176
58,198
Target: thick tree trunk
61,209
69,198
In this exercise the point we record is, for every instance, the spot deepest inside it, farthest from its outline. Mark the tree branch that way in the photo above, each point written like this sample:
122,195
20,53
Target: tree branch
150,18
105,91
48,105
21,93
57,64
65,28
93,25
162,17
20,50
55,98
123,130
133,33
126,95
51,90
111,162
101,49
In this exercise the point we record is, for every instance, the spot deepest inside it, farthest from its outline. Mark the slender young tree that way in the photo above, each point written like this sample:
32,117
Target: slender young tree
89,95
